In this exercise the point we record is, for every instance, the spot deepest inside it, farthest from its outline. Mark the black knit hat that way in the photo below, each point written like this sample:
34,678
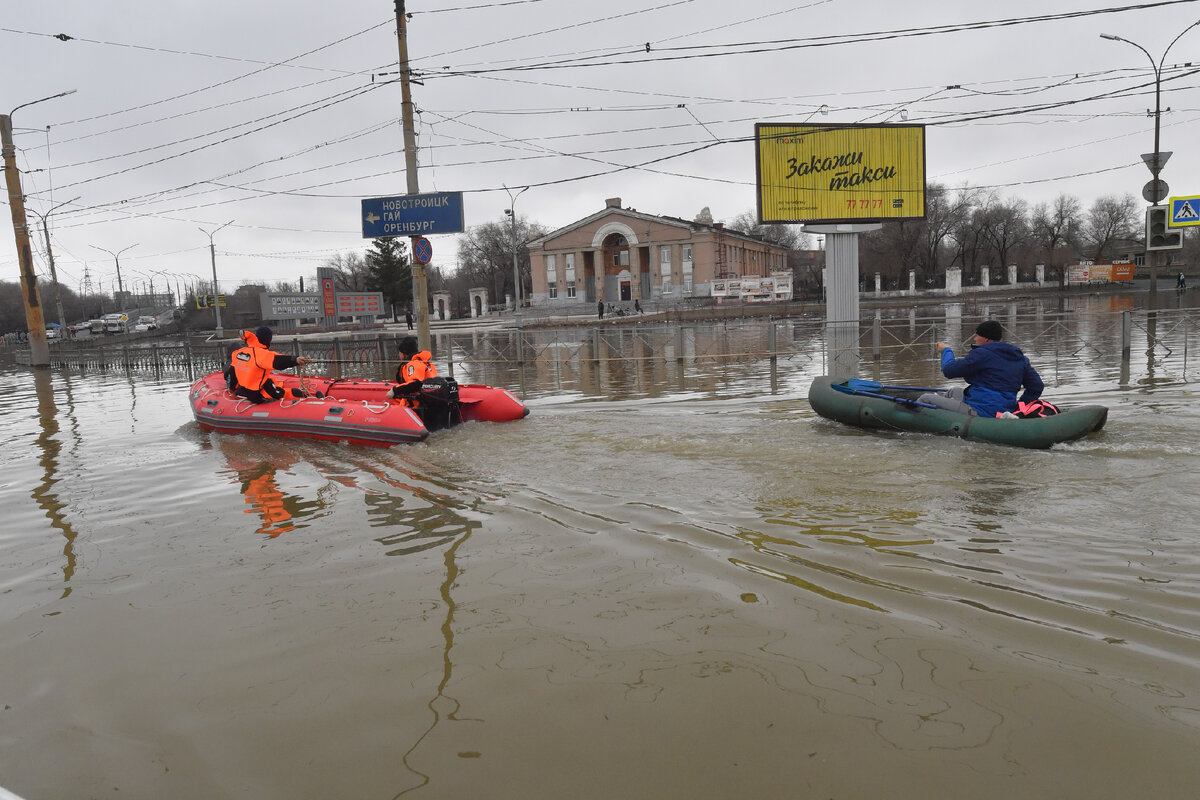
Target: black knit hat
263,334
990,329
408,346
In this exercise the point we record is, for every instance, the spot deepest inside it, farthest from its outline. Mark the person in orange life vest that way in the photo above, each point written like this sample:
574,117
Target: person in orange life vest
252,366
410,373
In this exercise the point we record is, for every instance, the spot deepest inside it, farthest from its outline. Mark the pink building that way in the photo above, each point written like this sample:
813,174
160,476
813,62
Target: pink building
621,255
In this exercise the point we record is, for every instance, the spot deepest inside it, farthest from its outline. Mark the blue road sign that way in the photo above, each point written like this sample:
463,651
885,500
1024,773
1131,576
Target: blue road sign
422,250
412,215
1185,211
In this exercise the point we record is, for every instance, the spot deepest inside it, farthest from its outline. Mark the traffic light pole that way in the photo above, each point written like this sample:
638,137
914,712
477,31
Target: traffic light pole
1156,190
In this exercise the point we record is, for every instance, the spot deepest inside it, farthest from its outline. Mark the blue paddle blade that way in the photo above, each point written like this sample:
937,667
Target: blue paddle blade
904,401
875,386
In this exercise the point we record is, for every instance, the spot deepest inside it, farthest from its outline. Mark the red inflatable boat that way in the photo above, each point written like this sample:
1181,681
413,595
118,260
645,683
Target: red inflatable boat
350,409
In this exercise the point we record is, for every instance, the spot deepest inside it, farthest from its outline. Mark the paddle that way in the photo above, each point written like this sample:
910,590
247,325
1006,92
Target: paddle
875,386
904,401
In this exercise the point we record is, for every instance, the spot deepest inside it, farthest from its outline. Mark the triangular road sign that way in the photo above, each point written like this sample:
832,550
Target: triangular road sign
1163,156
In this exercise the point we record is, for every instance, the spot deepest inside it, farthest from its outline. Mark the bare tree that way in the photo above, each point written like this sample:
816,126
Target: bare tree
789,236
945,211
1109,220
1004,225
485,255
1055,228
352,272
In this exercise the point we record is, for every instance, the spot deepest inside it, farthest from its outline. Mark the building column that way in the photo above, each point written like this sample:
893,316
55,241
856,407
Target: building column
635,272
598,267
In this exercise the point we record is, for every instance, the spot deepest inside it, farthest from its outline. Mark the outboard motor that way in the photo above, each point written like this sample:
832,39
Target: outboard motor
439,406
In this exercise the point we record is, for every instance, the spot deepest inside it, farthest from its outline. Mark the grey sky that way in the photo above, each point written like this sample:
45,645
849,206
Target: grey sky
282,116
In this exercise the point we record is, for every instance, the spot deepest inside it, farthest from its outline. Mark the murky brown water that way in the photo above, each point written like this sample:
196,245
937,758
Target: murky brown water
673,591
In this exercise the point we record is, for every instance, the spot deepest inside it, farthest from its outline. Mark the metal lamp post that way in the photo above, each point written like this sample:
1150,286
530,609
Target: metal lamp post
39,349
1156,190
212,251
64,328
117,258
512,217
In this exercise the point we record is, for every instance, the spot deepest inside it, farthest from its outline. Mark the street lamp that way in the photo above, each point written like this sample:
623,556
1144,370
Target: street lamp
39,349
117,258
212,252
64,328
512,217
1156,190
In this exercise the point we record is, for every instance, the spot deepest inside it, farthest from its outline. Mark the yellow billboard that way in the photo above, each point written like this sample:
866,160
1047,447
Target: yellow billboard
839,173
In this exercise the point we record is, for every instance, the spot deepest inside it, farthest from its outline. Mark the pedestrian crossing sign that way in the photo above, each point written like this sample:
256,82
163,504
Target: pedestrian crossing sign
1185,211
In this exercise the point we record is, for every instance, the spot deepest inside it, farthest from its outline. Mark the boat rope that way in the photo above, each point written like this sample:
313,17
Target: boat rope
303,378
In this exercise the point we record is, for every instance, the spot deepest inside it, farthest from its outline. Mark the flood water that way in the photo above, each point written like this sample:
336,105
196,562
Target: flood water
653,586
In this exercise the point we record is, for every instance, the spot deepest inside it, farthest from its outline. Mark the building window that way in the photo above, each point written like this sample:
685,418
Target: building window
616,250
550,270
666,284
569,265
553,289
570,288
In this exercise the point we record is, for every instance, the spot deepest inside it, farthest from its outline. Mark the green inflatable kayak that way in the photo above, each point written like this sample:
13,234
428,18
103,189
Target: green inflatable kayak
867,404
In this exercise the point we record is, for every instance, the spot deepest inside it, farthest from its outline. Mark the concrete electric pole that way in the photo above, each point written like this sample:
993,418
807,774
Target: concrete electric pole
39,348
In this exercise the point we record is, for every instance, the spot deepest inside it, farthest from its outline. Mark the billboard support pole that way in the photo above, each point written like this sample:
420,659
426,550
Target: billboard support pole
841,294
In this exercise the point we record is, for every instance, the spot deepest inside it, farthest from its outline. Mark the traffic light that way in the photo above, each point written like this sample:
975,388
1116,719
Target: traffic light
1158,235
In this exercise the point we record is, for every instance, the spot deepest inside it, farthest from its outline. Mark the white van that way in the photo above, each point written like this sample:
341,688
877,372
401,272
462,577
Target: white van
116,323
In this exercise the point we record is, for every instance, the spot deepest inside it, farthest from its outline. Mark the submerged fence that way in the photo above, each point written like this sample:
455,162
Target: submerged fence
1121,346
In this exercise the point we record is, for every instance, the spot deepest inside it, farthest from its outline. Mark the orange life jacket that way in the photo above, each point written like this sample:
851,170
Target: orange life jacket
253,363
418,368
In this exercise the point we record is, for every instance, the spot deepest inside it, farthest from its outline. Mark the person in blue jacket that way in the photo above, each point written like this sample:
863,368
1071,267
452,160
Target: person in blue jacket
994,371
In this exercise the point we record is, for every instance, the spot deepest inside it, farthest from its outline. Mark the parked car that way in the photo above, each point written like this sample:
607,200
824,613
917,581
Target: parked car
51,333
146,323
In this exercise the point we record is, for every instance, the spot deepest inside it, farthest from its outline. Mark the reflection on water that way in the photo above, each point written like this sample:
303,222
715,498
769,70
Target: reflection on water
442,703
672,565
49,450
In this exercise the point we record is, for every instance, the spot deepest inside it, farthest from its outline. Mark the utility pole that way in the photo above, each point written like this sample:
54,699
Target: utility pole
420,289
64,330
39,348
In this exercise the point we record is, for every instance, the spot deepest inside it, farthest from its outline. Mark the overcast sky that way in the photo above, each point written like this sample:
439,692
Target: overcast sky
280,117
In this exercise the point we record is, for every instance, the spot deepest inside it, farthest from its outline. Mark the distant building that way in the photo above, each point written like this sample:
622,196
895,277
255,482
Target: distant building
621,255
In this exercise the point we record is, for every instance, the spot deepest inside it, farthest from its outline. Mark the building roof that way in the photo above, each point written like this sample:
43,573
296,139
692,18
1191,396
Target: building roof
626,213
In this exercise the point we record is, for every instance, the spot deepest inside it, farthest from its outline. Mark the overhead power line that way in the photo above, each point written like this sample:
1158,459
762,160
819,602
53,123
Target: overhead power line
648,54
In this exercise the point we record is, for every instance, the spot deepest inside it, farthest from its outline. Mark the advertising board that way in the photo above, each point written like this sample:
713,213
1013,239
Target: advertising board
839,173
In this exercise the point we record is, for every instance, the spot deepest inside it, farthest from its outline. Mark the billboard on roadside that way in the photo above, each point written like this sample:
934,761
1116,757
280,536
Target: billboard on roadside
1100,273
839,173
